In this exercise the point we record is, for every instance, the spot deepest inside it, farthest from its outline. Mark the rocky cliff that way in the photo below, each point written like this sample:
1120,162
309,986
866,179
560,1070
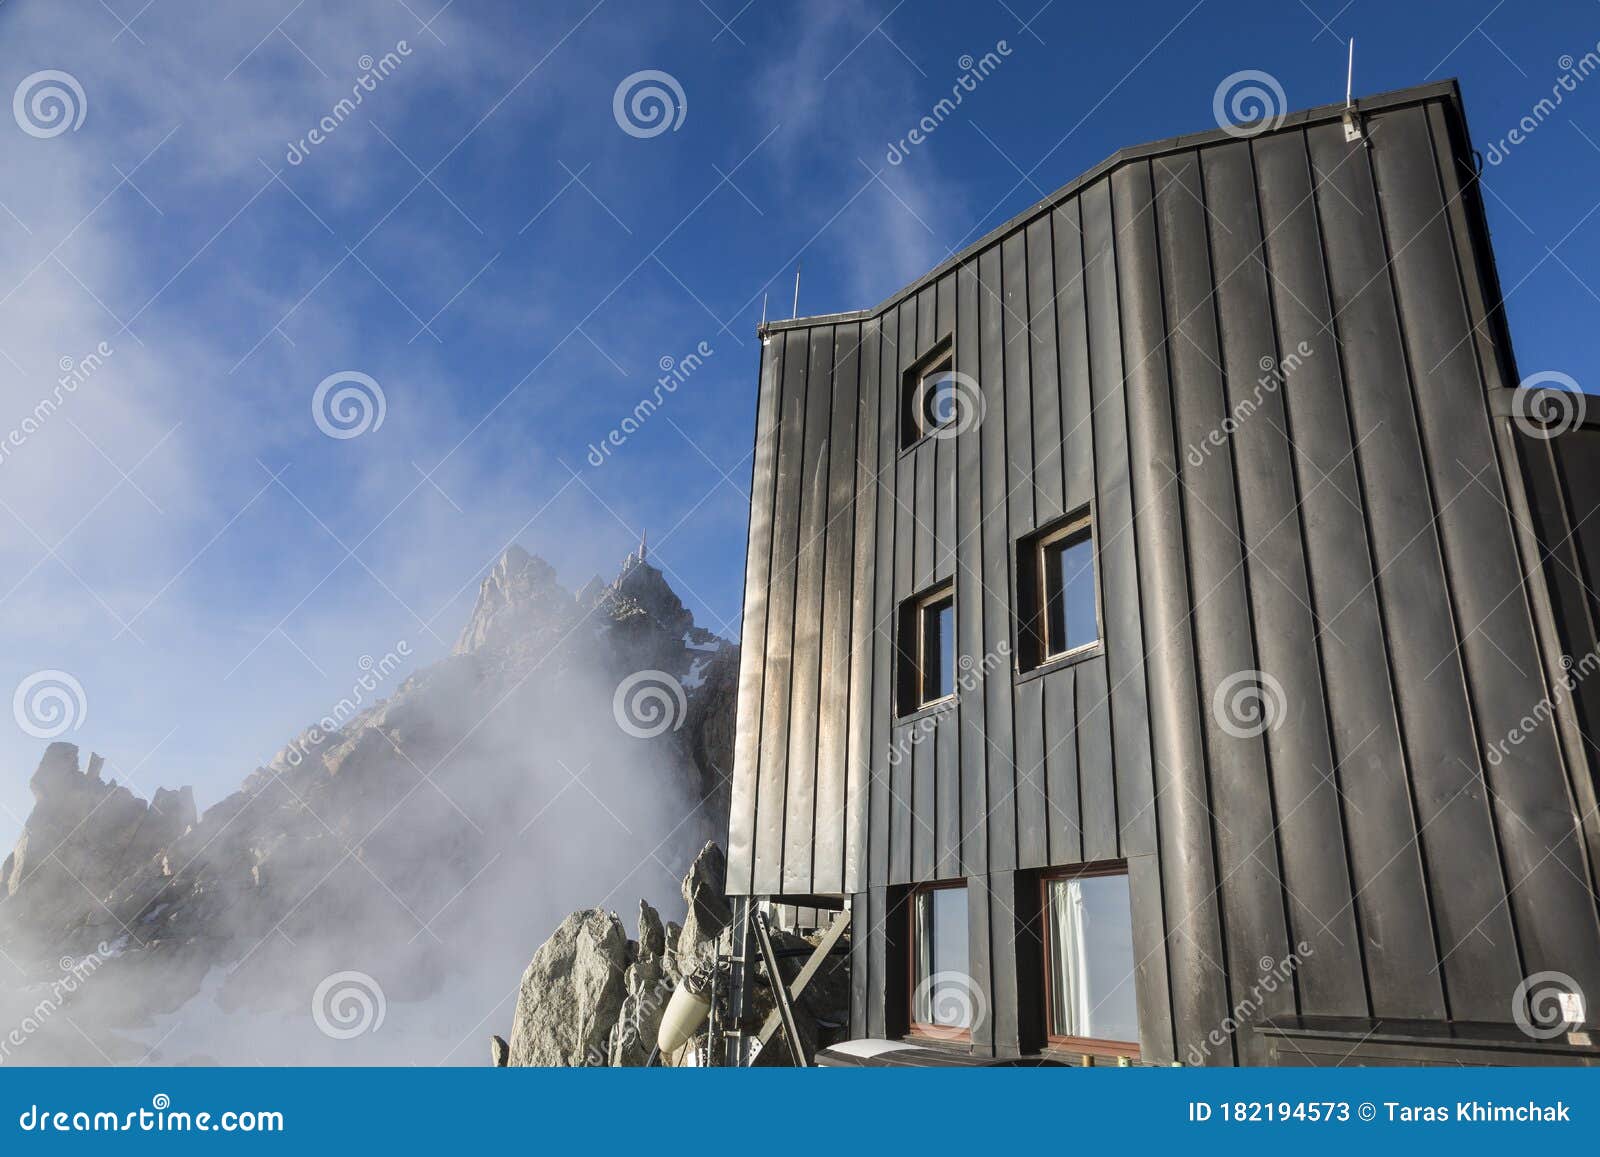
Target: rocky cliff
569,747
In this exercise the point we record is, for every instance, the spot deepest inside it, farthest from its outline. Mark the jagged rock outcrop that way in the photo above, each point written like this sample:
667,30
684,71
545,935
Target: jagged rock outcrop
382,837
703,891
85,835
551,1008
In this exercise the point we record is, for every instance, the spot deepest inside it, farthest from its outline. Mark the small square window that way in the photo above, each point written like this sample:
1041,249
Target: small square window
1089,962
1056,590
929,397
942,1001
927,646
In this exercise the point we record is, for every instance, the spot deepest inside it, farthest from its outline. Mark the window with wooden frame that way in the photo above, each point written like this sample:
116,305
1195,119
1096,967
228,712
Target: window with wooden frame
1090,1005
1057,593
928,395
927,649
943,1001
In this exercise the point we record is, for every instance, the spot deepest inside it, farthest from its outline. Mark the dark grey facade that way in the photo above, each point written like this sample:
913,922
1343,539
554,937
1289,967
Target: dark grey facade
1358,530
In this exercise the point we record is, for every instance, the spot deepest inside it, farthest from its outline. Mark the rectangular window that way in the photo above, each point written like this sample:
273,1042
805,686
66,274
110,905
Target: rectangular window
928,397
942,1000
1057,593
927,645
1089,962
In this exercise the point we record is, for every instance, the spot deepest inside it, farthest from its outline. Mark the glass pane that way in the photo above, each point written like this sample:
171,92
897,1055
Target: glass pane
940,394
938,649
1069,594
942,994
1091,959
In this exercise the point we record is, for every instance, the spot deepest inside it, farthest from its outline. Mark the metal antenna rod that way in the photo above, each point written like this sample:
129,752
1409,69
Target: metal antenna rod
796,311
1350,73
763,309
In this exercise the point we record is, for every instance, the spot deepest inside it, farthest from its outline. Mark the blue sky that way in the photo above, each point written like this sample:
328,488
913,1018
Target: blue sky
482,239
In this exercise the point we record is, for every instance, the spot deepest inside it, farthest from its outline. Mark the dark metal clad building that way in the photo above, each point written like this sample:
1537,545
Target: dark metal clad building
1154,619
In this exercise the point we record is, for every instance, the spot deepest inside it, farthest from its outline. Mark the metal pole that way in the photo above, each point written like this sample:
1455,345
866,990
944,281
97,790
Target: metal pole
780,992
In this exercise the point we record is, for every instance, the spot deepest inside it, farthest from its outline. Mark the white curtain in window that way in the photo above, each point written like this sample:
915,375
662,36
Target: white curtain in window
1069,953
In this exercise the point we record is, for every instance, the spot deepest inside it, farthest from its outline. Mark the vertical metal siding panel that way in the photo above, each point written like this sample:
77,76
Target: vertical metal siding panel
1244,827
1027,723
927,318
1000,898
923,514
1196,959
1061,766
833,705
1032,804
863,627
947,797
860,936
921,757
876,935
1316,883
946,453
1542,857
905,516
1072,322
969,589
1116,542
1473,921
1150,967
1097,787
1001,791
883,659
806,666
1117,559
1018,388
1367,767
771,797
980,962
753,635
1047,428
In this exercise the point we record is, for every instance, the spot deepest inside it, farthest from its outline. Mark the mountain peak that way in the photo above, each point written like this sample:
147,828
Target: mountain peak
519,595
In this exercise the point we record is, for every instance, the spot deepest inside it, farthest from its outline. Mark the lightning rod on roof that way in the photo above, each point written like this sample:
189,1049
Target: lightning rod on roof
796,311
1352,121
